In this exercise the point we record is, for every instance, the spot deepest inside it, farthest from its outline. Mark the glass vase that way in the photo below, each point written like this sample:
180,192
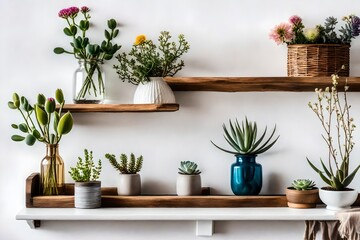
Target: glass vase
246,175
52,171
89,82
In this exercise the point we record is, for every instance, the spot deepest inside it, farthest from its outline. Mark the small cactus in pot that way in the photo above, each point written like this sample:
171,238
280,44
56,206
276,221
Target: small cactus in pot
188,181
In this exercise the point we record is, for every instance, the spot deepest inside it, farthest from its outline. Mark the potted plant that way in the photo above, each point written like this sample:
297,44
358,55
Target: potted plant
302,194
246,173
188,181
318,51
129,181
44,123
146,65
87,193
89,78
338,126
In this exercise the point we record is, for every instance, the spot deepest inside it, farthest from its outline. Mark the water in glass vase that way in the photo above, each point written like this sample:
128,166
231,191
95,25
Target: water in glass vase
89,82
52,171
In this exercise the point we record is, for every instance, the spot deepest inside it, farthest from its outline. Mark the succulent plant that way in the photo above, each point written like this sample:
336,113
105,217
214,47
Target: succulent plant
85,170
303,184
126,166
188,168
244,140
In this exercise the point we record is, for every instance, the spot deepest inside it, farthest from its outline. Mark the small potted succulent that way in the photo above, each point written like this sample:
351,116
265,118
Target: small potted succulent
302,194
129,181
246,173
148,63
188,181
87,188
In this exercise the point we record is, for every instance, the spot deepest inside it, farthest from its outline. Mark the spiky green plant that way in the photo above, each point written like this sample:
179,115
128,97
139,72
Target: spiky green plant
303,184
125,166
86,171
188,168
244,139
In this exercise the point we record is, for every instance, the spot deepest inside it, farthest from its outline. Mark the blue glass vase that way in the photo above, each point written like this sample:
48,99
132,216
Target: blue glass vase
246,175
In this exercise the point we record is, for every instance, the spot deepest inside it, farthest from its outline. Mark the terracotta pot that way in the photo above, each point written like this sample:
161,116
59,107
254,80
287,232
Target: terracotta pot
302,199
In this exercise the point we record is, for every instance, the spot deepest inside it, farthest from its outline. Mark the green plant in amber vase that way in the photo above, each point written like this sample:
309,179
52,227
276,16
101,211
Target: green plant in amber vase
44,123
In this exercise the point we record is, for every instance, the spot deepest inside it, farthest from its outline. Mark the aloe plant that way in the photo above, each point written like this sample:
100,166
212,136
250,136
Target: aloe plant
243,138
188,168
303,184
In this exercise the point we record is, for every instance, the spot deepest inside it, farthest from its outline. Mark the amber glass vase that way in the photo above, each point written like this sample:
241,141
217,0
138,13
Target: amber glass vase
52,171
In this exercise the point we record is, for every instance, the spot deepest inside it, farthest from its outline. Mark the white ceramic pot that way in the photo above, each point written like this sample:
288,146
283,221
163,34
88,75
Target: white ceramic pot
188,185
87,194
129,185
157,91
337,200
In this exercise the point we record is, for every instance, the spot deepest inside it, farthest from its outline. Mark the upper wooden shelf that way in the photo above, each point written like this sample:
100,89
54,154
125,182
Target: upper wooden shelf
254,84
121,107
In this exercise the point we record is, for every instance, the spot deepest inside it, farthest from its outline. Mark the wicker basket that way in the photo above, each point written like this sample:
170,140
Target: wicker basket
315,60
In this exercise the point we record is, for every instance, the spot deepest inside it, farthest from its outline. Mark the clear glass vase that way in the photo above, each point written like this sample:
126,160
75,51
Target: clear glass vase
52,172
89,82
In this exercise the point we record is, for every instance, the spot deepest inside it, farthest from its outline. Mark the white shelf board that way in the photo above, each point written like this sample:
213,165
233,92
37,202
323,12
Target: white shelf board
204,217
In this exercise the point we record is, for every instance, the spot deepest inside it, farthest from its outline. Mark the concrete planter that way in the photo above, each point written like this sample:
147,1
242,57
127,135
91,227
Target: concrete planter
129,185
188,185
87,194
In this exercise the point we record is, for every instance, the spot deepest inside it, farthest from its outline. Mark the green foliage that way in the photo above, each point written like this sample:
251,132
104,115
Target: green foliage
188,168
338,127
40,118
148,60
244,140
125,165
86,171
303,184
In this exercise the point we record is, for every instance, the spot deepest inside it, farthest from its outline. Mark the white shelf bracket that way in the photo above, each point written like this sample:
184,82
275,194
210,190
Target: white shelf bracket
204,228
33,223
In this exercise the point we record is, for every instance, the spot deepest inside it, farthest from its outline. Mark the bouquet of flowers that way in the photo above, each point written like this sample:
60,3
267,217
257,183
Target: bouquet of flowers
294,31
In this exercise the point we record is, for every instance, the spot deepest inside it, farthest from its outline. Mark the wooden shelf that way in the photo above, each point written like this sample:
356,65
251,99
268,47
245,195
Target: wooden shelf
253,84
121,107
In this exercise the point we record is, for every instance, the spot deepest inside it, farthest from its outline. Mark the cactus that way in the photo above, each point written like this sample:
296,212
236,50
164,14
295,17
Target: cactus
303,184
126,166
188,168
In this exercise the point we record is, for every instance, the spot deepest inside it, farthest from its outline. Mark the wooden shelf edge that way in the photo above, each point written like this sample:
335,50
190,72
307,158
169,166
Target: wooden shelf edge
254,84
171,107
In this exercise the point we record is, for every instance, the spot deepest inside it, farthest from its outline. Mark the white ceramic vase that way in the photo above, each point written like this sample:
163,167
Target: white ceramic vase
188,185
129,185
87,194
337,200
156,91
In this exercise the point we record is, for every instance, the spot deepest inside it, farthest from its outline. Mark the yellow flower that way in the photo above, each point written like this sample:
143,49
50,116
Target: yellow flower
140,39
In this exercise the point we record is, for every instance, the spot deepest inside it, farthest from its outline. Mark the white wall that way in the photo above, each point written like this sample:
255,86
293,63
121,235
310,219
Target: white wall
228,38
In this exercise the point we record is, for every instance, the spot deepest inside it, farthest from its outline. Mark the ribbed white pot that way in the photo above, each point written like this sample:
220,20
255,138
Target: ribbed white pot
129,185
87,194
337,200
188,185
156,91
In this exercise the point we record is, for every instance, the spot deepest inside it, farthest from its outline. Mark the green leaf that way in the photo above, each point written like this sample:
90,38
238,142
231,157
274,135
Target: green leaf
56,120
59,50
351,176
14,126
59,96
30,140
65,124
11,105
41,115
116,33
327,172
108,56
36,134
222,149
17,138
78,42
23,127
73,30
67,32
107,35
112,23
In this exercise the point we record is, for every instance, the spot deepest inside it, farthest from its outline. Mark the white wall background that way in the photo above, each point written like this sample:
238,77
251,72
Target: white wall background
228,38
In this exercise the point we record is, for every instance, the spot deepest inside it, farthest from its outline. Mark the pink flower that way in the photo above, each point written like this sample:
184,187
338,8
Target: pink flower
295,20
282,33
73,11
64,13
68,12
85,9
